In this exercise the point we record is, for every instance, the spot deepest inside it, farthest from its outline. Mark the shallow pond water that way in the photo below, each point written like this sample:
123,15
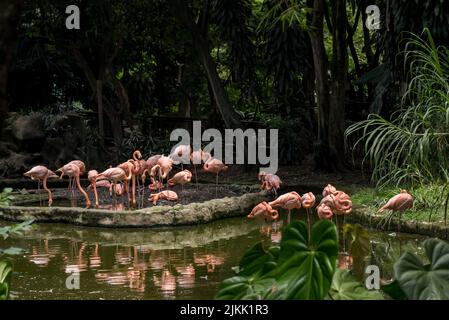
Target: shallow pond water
170,263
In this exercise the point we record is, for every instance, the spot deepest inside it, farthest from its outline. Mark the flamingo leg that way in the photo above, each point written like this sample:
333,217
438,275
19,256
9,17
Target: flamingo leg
78,184
133,179
114,195
39,192
308,221
288,218
50,199
94,186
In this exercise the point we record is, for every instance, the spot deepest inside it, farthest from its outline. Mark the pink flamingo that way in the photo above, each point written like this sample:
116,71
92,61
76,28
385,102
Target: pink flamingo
289,201
198,157
72,170
264,211
329,189
324,211
41,173
215,166
398,203
182,178
80,164
270,182
181,153
115,176
163,195
131,168
308,201
92,176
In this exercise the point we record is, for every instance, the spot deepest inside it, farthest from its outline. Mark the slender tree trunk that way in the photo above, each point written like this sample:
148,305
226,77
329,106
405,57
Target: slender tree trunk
228,114
9,18
320,62
339,80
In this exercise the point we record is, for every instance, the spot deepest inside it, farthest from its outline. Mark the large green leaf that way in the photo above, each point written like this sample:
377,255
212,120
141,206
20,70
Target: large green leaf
298,269
394,291
251,281
425,281
346,287
258,260
306,268
5,278
244,288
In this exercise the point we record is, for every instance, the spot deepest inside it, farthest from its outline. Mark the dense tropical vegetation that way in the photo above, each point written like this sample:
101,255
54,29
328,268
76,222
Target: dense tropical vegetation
306,269
137,69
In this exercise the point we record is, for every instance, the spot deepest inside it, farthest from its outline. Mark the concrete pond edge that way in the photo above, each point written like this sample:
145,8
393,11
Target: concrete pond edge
365,217
156,216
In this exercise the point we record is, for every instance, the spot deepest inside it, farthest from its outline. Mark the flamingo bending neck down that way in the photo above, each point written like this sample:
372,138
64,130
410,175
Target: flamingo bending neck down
73,171
42,173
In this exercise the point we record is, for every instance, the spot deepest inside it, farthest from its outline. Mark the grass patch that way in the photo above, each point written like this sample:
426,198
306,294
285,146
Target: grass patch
428,205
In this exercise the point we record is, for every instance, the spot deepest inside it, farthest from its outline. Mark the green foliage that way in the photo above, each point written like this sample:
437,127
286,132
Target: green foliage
412,148
6,268
421,281
346,287
428,201
5,232
5,197
299,269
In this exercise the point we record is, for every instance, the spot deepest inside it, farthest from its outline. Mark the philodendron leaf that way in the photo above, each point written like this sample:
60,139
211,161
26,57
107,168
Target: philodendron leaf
251,281
5,278
306,268
394,291
425,282
258,260
346,287
244,288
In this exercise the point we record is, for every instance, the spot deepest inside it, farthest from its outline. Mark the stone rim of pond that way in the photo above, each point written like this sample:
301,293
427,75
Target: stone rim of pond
155,216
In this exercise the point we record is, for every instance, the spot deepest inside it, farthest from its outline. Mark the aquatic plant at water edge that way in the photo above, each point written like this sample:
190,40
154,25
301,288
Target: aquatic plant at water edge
417,280
297,269
6,197
413,148
6,266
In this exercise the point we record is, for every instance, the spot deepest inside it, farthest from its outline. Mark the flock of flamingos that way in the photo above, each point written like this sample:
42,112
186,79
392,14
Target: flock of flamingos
157,168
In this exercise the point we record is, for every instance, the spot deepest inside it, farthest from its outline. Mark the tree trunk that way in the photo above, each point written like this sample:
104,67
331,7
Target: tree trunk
9,18
321,154
339,79
229,115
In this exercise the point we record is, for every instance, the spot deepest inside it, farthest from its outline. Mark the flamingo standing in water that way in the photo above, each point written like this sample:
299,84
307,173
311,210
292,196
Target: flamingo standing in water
165,164
72,170
115,176
398,203
289,201
215,166
264,211
308,201
131,169
41,173
80,164
198,157
92,176
155,177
